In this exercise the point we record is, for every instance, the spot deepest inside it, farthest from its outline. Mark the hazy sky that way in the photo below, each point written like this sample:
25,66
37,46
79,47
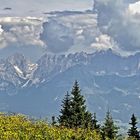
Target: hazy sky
26,7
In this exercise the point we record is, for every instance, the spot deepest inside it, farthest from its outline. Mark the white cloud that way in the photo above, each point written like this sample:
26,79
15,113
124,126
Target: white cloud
1,30
103,42
115,25
20,32
71,33
134,8
121,21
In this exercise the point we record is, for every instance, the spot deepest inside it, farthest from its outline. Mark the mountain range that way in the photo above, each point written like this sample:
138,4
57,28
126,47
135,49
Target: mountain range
107,79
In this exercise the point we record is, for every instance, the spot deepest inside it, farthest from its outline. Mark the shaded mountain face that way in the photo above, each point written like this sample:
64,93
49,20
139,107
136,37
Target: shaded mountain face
107,80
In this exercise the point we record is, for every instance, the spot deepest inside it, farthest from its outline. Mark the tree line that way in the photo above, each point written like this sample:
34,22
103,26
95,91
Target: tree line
74,115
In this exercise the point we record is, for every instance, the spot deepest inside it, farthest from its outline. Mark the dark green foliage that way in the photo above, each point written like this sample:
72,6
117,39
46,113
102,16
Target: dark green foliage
64,118
74,115
80,117
53,121
133,132
87,120
95,125
73,112
109,129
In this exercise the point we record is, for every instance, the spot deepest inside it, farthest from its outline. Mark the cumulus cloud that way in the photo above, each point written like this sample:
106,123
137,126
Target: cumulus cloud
134,8
114,24
103,42
19,32
57,36
67,34
120,21
22,35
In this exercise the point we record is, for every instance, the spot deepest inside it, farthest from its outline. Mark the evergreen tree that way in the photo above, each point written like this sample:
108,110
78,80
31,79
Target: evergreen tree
53,121
109,129
64,118
87,123
133,132
95,125
79,116
73,112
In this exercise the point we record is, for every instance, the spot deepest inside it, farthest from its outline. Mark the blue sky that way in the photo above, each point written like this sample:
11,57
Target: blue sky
23,7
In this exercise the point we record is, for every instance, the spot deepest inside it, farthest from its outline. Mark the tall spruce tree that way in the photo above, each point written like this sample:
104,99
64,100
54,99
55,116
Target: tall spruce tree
109,129
133,132
73,112
80,117
64,118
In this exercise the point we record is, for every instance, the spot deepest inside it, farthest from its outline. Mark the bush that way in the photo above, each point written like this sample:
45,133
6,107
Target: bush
19,127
